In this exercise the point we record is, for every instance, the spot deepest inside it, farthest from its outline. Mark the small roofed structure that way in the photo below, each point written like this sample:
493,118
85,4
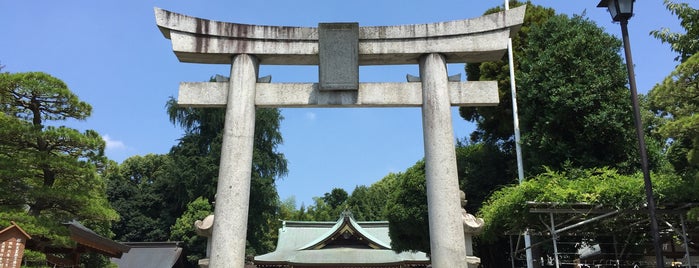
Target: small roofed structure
86,241
152,255
12,242
345,243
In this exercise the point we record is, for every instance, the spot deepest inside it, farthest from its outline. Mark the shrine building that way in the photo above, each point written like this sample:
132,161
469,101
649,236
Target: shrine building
345,243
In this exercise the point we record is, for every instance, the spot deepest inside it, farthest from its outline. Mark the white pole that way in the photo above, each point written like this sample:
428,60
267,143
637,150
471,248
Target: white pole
518,147
686,242
554,237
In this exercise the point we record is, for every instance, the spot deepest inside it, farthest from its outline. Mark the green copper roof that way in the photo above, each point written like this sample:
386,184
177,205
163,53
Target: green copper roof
346,225
345,241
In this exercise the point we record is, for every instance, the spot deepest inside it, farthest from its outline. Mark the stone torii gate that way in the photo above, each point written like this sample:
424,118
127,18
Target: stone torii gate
338,49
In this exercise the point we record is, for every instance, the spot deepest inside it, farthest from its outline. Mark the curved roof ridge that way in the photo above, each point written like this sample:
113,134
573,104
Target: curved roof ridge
368,236
322,238
345,220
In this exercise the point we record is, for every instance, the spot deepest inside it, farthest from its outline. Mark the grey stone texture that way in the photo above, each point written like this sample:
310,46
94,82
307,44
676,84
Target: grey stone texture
471,40
233,189
205,228
446,228
338,67
290,95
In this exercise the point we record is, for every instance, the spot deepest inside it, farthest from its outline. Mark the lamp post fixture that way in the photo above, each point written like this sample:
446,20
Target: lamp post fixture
621,11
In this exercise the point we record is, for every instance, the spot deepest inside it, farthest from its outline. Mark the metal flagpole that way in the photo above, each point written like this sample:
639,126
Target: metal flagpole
518,148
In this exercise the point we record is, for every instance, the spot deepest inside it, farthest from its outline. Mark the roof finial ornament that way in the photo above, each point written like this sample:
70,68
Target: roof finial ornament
346,214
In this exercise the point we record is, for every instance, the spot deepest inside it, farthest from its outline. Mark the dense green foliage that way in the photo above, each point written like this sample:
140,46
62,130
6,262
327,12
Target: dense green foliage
183,229
197,156
367,203
370,203
494,124
507,208
482,169
135,190
408,221
50,173
575,106
156,193
571,92
676,100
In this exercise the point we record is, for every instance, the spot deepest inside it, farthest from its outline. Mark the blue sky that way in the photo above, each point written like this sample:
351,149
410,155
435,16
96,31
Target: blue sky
112,55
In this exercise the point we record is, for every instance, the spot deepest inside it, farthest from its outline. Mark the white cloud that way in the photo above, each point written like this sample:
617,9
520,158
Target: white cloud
311,116
113,144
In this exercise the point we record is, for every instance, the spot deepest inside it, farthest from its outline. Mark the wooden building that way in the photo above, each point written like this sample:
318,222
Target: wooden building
12,242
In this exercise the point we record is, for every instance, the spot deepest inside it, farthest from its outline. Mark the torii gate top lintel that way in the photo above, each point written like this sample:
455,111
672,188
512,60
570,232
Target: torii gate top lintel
478,39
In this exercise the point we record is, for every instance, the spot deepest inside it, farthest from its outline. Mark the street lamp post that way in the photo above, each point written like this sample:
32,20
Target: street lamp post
621,11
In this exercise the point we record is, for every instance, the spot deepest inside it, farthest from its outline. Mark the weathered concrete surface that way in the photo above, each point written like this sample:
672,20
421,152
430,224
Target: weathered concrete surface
213,94
443,194
338,67
472,40
233,189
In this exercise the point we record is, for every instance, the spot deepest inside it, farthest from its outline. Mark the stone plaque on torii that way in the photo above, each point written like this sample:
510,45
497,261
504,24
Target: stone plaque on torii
338,49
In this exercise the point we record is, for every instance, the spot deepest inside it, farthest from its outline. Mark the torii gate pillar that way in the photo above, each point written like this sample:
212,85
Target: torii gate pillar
446,226
229,232
431,46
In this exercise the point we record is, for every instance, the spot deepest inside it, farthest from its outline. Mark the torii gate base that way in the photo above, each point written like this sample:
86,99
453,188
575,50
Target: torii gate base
429,45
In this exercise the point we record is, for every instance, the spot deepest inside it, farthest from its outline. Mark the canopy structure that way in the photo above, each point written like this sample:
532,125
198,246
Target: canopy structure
608,237
345,243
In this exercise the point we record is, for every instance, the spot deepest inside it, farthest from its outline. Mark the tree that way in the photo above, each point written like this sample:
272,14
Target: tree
572,94
408,224
574,108
196,158
183,229
336,198
326,208
53,171
686,44
573,84
482,169
494,124
377,201
506,211
319,211
135,189
369,203
575,112
676,100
